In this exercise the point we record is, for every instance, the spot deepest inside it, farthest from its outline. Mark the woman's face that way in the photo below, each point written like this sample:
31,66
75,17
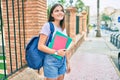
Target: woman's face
58,13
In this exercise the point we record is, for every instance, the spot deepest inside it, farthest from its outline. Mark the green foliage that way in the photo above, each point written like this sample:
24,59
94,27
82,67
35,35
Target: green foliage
90,27
79,5
62,1
1,65
1,57
105,17
48,10
1,76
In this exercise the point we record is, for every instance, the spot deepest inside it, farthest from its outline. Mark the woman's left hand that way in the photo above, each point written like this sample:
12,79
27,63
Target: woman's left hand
68,68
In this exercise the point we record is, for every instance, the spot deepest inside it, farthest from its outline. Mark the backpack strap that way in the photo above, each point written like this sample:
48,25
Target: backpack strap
51,27
51,34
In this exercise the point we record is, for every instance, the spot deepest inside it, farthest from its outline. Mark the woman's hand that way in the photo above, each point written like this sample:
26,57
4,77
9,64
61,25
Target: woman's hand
61,52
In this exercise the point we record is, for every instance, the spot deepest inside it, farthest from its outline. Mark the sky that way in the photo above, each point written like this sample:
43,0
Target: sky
93,4
103,3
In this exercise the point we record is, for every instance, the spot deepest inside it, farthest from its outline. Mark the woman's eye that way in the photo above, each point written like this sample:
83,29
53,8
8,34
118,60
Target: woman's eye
62,10
56,10
59,11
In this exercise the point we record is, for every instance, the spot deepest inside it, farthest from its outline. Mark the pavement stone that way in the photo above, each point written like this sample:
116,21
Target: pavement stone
27,74
92,60
91,67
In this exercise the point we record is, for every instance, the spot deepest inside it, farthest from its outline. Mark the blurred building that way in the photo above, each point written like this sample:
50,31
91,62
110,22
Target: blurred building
114,14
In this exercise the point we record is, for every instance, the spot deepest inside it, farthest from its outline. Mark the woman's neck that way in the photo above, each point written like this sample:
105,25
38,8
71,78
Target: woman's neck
57,23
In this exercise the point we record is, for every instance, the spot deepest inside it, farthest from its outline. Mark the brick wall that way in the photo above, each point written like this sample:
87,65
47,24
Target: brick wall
35,15
84,21
81,24
70,23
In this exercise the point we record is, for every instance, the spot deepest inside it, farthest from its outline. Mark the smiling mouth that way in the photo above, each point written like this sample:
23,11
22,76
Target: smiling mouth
60,16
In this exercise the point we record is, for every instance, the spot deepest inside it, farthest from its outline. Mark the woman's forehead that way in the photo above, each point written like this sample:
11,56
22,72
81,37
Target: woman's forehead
58,7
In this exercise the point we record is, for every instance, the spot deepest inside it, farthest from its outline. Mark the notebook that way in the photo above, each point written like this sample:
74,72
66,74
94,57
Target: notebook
60,41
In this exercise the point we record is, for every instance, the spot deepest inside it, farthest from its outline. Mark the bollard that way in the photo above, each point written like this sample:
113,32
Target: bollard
113,38
118,44
116,39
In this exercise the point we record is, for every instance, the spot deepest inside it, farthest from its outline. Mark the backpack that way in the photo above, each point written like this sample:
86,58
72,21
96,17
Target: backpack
35,57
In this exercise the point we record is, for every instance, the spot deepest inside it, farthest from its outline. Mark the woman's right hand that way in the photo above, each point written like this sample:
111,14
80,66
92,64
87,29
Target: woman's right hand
61,52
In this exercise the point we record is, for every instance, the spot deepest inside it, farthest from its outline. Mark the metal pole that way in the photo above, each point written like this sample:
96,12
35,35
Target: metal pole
98,34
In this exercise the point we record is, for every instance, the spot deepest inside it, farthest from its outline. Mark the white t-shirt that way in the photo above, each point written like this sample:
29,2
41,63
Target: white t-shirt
46,29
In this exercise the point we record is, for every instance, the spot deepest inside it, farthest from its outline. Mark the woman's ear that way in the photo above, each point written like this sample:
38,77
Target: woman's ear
52,17
52,14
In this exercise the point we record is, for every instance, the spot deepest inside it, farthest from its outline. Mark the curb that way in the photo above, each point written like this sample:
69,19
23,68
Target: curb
116,69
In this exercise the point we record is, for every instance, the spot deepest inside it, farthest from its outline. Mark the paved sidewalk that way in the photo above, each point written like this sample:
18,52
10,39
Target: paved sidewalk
91,61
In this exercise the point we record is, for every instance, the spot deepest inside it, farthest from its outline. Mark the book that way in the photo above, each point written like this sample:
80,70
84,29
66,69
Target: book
69,40
60,41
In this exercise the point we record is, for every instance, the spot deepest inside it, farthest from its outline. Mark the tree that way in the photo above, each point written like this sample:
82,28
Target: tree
80,6
105,18
62,2
98,33
48,10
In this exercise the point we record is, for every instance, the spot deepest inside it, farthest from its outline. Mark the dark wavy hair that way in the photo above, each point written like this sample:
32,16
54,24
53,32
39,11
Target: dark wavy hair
50,19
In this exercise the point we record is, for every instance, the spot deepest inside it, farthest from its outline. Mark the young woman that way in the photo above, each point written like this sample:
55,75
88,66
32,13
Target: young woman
54,69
